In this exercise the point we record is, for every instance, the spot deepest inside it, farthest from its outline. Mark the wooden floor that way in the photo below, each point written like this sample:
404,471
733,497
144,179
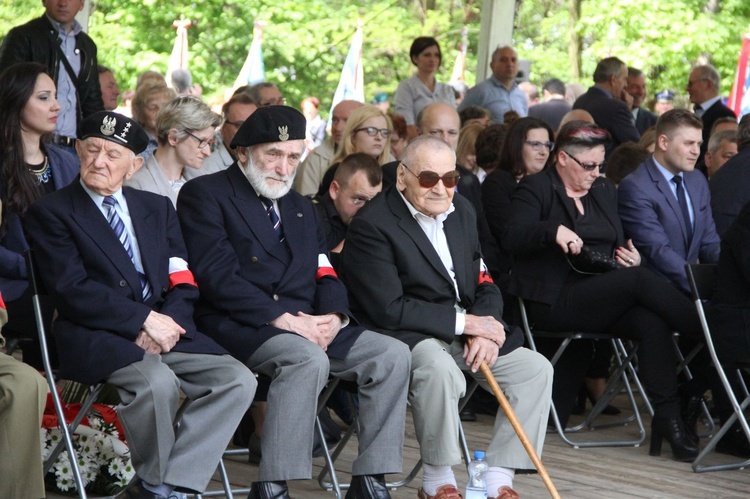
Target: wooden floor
584,473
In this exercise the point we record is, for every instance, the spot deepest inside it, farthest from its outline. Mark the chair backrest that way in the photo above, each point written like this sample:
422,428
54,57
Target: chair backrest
702,279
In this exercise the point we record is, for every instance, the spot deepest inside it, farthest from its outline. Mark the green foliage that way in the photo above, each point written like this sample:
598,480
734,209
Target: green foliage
306,42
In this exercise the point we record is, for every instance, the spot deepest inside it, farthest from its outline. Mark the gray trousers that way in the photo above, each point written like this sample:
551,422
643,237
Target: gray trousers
437,384
23,396
299,370
219,390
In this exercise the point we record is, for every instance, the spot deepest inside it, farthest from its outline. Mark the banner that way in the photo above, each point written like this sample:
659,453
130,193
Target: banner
739,99
351,83
253,71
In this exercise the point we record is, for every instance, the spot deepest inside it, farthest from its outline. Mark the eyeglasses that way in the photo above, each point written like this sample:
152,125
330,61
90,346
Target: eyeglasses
428,179
537,146
372,131
274,102
586,166
201,142
234,123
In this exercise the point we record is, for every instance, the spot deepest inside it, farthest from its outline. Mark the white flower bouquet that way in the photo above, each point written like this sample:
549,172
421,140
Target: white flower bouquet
103,455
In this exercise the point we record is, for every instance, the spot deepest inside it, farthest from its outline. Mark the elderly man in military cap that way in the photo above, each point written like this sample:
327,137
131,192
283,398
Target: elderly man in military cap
115,265
270,297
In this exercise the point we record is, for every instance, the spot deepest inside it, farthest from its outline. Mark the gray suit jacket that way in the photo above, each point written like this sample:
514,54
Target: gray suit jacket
151,178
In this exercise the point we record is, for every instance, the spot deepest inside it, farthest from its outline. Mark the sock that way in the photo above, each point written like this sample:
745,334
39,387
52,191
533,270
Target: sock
436,476
497,477
160,490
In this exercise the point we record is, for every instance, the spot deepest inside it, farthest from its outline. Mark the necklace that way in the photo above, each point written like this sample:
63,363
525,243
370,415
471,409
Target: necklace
43,173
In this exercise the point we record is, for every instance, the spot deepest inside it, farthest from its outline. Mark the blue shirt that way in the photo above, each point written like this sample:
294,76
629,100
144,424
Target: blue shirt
67,119
498,100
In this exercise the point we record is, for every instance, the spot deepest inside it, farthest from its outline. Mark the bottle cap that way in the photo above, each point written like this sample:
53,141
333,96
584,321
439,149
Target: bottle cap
478,454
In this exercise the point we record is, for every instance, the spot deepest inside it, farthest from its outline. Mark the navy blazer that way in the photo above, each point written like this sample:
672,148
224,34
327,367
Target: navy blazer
709,117
539,206
611,114
13,279
644,120
730,190
246,276
95,286
652,218
397,282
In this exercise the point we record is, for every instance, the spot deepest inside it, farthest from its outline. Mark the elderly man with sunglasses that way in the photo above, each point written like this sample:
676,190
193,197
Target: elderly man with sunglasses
433,292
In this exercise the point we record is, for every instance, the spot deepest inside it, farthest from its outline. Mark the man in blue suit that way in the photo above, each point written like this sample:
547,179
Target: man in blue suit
114,262
270,297
665,204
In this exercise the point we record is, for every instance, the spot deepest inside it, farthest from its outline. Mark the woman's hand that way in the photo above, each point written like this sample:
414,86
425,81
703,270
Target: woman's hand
628,256
568,240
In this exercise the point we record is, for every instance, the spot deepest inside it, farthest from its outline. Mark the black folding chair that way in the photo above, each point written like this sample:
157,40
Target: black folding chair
67,429
702,278
622,376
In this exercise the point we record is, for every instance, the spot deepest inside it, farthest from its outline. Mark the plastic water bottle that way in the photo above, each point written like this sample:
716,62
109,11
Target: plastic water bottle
476,488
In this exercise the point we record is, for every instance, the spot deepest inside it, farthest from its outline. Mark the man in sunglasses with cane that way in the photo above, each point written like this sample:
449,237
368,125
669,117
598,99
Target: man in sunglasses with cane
414,270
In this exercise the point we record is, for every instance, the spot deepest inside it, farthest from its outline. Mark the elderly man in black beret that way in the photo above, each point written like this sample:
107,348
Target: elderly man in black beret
114,262
270,296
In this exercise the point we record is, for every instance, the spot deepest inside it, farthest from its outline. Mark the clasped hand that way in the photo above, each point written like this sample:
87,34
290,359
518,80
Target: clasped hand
159,334
320,329
488,335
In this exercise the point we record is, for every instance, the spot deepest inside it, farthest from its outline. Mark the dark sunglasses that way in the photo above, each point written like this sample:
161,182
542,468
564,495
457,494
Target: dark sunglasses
428,179
586,166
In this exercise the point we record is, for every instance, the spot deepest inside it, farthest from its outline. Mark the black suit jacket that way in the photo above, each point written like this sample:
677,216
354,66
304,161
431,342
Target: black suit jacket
470,188
644,120
36,41
713,113
497,192
247,277
399,286
95,286
540,205
730,190
611,114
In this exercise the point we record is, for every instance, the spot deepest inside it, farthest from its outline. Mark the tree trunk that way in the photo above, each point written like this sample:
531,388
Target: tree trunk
574,47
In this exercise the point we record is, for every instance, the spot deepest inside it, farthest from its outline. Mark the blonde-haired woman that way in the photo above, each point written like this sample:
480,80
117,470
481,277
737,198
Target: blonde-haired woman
368,130
466,151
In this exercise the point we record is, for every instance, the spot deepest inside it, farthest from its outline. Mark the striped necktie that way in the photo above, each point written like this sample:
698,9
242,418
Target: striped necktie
119,228
275,220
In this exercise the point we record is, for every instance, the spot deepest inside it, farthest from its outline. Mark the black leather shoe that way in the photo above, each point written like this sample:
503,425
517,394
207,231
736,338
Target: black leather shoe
467,415
690,411
268,490
734,443
368,487
673,430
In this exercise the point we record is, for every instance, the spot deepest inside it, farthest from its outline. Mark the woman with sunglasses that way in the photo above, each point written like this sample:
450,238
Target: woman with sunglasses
368,130
556,217
526,150
185,129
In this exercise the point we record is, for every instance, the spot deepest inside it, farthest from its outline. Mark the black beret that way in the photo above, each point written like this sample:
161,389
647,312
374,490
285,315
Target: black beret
115,127
271,124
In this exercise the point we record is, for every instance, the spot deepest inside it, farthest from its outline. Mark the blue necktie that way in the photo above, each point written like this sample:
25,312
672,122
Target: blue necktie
682,201
119,228
275,220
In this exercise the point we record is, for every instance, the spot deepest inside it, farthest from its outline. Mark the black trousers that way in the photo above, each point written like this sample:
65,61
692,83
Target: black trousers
632,303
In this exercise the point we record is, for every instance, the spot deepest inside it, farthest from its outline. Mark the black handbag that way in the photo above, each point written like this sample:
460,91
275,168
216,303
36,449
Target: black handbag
592,262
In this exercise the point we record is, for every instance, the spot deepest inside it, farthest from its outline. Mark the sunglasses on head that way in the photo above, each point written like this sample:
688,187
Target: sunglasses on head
428,179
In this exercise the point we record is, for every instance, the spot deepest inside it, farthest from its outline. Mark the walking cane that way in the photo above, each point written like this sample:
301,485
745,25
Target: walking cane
508,410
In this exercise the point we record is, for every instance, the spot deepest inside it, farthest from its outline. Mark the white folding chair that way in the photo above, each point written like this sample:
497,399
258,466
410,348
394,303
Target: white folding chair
702,279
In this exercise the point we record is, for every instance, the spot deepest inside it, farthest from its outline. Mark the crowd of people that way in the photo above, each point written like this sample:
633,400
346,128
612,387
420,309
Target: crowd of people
187,252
